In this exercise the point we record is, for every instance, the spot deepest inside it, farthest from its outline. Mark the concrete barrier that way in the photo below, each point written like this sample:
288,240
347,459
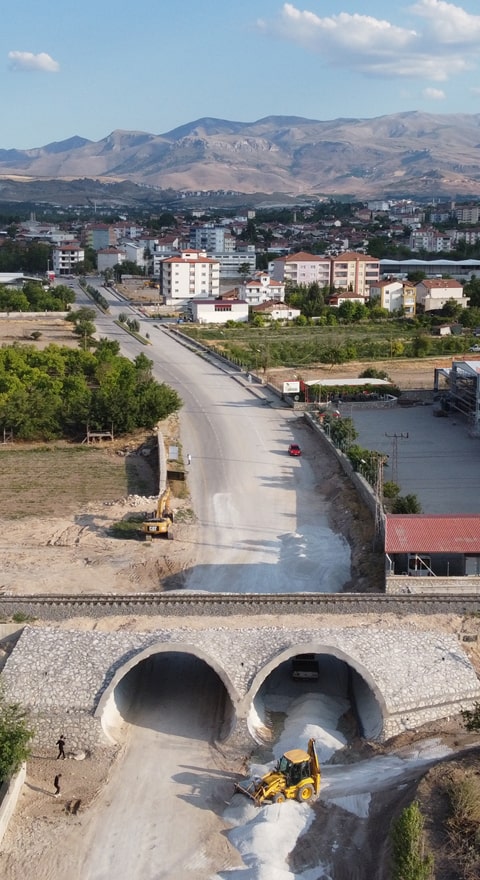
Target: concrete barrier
9,794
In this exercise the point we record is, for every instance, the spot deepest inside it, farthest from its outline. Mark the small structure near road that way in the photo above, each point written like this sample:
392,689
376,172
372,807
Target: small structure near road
428,553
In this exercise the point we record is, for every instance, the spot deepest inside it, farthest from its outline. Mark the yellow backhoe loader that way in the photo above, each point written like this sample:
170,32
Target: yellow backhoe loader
296,776
157,524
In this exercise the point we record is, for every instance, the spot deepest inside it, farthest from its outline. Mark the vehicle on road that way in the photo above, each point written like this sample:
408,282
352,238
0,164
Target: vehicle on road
296,776
294,449
305,667
475,348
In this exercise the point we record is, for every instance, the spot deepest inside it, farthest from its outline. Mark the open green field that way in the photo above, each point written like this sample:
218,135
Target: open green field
56,479
300,347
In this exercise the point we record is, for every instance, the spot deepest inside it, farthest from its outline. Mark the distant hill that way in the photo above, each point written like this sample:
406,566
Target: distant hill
412,153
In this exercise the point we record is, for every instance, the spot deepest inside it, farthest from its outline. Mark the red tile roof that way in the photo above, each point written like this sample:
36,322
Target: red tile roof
428,533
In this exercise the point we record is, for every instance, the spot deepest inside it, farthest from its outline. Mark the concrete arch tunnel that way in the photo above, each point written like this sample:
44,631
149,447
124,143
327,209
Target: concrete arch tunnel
338,677
149,673
160,668
395,676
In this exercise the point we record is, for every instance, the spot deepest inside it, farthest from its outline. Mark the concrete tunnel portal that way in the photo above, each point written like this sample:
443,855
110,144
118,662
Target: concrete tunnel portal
145,690
330,674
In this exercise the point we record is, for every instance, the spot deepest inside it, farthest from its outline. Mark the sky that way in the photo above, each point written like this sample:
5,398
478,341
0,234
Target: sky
88,69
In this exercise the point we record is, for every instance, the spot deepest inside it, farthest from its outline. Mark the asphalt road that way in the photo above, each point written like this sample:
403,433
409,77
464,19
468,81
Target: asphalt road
263,522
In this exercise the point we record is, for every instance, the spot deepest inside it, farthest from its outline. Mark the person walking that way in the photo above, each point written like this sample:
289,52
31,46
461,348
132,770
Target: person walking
56,784
189,459
61,747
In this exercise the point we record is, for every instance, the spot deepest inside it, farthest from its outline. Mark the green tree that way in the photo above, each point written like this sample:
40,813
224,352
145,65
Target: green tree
406,504
15,737
409,859
244,270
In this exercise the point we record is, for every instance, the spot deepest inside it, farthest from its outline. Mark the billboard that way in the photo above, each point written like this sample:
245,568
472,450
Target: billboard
291,387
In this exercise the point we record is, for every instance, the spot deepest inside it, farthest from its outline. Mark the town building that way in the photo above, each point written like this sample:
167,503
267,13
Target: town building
213,310
276,311
433,293
108,258
354,272
301,268
66,257
261,288
187,275
395,295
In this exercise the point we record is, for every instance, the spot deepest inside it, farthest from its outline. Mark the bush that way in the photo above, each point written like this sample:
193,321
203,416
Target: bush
410,862
406,504
15,736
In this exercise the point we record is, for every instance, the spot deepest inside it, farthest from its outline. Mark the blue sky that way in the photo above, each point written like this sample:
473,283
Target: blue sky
92,67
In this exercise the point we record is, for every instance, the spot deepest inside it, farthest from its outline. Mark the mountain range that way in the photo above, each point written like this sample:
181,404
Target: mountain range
403,154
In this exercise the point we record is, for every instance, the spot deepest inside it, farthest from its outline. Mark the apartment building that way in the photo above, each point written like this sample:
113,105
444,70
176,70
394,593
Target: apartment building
189,274
301,268
394,295
354,272
433,293
66,257
261,288
430,240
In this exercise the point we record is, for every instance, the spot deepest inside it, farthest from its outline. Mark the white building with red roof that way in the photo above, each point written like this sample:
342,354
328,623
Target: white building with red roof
189,274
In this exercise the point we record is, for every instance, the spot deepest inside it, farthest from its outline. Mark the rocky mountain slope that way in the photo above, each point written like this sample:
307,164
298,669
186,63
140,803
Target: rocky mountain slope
408,153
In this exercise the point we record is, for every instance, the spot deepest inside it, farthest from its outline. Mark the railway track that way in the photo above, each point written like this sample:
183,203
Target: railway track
225,604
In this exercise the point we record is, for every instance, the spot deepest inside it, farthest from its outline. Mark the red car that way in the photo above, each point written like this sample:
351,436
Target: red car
294,449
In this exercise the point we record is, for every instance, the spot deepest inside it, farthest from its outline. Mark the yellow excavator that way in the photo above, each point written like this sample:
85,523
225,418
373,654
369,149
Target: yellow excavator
296,776
157,524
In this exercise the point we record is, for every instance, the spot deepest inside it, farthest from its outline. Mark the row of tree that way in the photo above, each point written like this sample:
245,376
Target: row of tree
58,392
35,297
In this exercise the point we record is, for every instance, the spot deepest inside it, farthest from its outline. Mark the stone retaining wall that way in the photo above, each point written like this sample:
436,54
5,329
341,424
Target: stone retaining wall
66,678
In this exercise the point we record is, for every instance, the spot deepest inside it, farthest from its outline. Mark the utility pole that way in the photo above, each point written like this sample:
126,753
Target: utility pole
395,438
380,461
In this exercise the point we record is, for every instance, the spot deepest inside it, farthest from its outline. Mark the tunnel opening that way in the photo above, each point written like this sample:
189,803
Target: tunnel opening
319,689
172,692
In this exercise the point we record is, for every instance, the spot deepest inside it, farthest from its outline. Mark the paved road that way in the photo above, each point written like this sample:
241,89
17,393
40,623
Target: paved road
263,522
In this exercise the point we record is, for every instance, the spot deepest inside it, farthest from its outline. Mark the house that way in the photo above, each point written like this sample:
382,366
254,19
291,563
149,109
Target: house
188,274
394,295
261,288
433,293
337,299
213,310
276,311
432,553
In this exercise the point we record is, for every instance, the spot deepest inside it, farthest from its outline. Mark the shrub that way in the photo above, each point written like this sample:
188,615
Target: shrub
410,862
15,736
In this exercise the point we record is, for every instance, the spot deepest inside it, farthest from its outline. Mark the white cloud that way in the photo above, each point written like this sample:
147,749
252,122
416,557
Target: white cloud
433,94
444,46
448,24
29,61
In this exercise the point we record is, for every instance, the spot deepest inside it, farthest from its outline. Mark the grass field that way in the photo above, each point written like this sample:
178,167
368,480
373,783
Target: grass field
52,480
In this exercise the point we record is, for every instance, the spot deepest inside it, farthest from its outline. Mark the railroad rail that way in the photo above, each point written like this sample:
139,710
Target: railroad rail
47,606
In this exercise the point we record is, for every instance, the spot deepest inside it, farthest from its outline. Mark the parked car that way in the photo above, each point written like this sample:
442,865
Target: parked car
475,348
294,449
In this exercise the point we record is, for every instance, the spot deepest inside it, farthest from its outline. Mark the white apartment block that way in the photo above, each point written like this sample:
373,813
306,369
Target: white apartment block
393,295
135,253
433,293
301,268
429,240
261,288
66,257
189,274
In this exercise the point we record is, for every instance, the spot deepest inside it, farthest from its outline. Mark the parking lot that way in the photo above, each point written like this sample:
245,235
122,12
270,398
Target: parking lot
439,461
